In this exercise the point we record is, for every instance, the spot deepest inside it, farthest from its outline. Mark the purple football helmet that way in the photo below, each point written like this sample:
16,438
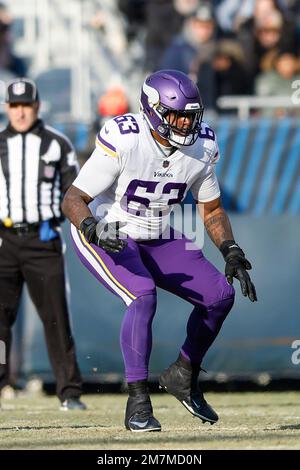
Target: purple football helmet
167,97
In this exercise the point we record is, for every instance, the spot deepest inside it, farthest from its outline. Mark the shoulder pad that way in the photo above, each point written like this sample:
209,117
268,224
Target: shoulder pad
206,145
119,134
206,132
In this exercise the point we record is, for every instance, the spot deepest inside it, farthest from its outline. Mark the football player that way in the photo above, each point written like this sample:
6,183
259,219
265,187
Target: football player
143,165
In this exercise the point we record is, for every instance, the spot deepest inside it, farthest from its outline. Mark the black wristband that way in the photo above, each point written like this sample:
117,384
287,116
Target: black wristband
86,223
226,246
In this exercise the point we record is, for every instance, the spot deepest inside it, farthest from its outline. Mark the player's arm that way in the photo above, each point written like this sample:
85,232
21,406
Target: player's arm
207,192
105,235
216,221
75,205
218,227
98,174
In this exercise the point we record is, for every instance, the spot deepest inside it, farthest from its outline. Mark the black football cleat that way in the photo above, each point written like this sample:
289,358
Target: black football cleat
177,380
139,415
72,404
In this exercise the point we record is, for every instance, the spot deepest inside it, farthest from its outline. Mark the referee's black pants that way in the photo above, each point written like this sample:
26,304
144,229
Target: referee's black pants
24,258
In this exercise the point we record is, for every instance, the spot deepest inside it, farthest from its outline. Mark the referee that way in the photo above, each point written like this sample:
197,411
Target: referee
37,165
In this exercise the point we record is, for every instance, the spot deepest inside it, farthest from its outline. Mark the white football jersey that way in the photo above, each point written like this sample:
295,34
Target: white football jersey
131,180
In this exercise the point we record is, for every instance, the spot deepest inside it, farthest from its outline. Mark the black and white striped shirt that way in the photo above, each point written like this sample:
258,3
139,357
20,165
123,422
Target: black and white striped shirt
36,169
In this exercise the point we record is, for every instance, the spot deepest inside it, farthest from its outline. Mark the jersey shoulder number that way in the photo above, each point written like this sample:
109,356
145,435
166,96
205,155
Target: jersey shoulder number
119,134
208,143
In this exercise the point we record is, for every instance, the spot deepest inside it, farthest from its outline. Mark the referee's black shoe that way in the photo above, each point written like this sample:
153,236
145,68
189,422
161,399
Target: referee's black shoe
182,382
73,404
139,412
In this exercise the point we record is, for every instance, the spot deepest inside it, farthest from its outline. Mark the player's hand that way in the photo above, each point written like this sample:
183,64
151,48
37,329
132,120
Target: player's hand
105,235
237,266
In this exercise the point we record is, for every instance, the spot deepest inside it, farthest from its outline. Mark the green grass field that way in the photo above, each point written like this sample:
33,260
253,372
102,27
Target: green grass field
247,421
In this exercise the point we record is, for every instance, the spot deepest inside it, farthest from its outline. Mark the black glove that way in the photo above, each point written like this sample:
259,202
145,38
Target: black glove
237,266
105,235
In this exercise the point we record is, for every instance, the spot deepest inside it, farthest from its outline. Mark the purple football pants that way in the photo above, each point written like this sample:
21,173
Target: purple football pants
133,275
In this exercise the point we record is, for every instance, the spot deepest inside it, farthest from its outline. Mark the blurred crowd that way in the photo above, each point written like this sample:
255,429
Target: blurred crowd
10,64
228,47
